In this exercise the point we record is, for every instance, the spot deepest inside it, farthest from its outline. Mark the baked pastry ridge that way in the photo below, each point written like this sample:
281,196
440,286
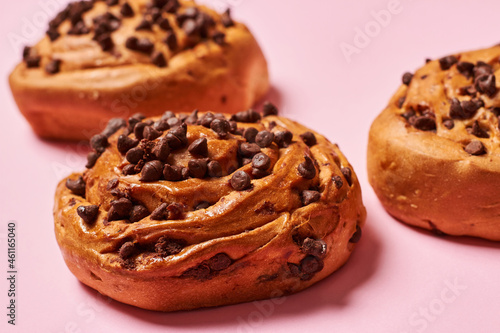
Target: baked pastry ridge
186,211
106,59
434,154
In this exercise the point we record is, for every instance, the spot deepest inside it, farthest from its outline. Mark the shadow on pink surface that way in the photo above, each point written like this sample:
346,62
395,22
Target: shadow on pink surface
459,240
332,293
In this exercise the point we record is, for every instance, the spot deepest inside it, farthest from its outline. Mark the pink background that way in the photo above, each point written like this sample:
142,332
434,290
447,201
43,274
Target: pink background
395,276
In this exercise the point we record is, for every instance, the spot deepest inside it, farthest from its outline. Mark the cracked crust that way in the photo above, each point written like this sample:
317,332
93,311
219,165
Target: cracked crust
94,86
431,178
261,229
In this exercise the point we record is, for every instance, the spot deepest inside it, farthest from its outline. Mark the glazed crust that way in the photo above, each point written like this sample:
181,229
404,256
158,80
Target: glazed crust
427,178
94,86
261,229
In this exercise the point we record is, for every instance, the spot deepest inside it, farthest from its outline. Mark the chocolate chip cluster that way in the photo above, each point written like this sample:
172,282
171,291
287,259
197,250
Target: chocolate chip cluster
482,84
168,15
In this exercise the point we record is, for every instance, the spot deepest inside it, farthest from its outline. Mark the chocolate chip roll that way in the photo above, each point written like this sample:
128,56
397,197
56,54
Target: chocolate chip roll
106,59
434,154
199,210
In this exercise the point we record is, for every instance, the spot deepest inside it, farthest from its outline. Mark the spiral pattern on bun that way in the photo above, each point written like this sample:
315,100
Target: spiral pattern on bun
195,210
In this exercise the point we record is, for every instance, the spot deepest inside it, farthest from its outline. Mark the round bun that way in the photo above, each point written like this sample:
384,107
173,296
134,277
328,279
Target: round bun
434,154
101,61
209,212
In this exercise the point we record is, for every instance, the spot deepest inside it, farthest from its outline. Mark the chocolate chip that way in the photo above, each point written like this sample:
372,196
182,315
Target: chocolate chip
161,150
92,159
199,147
197,168
219,262
99,142
486,84
76,186
172,172
311,264
125,143
192,118
88,213
143,45
202,205
174,122
33,61
423,123
219,38
307,169
308,197
283,138
337,180
138,213
470,107
261,161
171,6
164,23
177,138
113,126
269,109
226,19
26,52
314,247
159,60
112,2
145,24
120,209
200,272
207,119
240,181
214,169
113,183
448,123
126,10
407,78
401,101
171,41
190,27
309,138
134,155
465,68
467,91
221,127
264,139
447,62
475,147
127,250
481,69
53,66
150,133
106,42
346,172
356,236
78,29
53,34
129,169
167,247
249,149
248,116
160,213
152,171
250,133
476,130
175,211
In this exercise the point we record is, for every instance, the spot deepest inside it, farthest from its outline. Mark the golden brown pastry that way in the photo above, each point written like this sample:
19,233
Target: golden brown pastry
106,59
434,154
182,212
